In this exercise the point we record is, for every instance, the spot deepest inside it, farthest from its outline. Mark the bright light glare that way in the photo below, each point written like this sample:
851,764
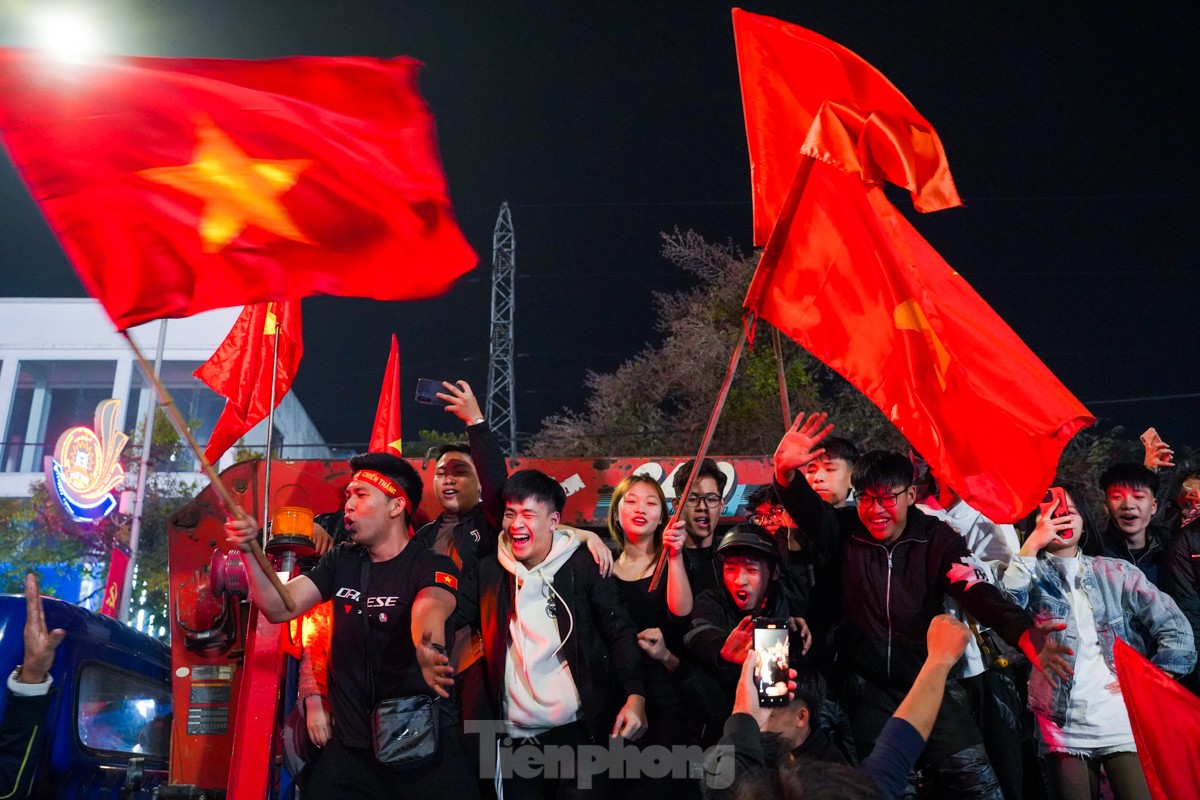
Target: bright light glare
67,33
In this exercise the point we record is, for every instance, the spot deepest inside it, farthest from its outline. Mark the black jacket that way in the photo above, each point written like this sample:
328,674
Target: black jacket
602,650
891,593
1183,565
476,533
22,738
1152,560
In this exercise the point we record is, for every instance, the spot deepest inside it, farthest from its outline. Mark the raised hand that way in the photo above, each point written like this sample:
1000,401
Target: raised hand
947,638
1050,529
460,401
1158,453
40,643
798,446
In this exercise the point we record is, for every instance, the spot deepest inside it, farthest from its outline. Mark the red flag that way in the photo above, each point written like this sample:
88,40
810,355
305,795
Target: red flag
181,185
385,435
1166,724
847,277
242,367
110,605
805,95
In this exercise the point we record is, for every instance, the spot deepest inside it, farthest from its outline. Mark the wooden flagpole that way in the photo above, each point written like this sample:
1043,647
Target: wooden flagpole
766,265
661,567
172,411
783,392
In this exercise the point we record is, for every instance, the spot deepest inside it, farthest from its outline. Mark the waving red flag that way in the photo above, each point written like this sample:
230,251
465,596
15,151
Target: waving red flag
385,435
177,186
805,95
243,365
1166,724
848,278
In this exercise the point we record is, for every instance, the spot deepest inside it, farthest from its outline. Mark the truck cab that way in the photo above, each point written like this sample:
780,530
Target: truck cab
108,723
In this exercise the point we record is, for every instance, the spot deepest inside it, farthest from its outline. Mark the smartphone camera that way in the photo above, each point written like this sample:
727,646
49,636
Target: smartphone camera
427,391
771,667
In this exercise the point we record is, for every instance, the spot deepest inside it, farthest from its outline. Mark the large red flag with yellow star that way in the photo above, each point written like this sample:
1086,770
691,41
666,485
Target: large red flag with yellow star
176,186
846,276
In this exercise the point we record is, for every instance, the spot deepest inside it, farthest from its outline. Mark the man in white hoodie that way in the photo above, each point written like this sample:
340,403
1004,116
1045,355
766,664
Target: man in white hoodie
557,639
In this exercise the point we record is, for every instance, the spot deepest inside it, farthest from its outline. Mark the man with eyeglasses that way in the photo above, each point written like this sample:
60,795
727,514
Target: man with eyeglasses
701,511
896,566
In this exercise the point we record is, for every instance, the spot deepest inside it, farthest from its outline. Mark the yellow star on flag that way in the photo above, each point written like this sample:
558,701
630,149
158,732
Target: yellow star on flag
237,190
398,446
909,316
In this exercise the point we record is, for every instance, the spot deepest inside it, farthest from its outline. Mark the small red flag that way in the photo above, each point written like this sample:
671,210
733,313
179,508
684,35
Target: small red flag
181,185
110,606
242,367
805,95
1166,724
385,435
848,278
446,578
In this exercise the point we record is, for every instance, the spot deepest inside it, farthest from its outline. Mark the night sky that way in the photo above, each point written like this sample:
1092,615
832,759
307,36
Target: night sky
1072,134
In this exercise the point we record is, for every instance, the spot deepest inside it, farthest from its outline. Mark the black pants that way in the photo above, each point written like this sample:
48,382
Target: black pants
350,773
953,754
525,775
999,712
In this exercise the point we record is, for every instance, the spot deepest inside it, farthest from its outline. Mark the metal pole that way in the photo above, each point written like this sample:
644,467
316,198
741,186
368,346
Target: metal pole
135,527
226,496
266,522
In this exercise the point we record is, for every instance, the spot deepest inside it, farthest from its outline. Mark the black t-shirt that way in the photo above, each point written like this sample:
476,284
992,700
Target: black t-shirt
392,586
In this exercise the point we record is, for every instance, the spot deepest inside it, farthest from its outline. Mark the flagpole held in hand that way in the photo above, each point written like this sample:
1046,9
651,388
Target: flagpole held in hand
231,506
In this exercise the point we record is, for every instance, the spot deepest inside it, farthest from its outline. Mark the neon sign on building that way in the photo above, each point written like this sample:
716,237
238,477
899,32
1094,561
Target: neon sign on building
86,467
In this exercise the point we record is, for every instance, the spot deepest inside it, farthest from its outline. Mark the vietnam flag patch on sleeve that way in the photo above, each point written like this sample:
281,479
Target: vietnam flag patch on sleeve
447,579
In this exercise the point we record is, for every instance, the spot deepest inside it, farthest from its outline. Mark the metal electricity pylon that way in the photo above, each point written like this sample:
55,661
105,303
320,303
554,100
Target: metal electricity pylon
501,394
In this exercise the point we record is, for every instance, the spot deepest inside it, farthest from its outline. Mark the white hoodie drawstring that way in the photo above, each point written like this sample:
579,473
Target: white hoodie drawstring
570,617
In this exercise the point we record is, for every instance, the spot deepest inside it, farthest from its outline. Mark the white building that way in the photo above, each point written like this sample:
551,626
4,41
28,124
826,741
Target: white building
60,358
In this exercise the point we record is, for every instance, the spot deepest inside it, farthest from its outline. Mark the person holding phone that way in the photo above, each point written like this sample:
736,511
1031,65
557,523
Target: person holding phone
769,755
723,621
1083,723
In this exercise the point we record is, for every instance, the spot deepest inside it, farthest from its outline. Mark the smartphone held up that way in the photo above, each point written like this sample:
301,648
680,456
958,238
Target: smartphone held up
771,661
427,391
1052,494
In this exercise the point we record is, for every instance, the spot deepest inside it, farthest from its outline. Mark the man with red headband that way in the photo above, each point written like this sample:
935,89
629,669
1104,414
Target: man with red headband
390,611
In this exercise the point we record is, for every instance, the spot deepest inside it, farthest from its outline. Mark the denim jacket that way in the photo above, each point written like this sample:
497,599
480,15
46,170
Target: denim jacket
1120,593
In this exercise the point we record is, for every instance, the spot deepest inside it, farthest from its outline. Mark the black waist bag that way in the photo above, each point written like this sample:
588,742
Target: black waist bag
404,731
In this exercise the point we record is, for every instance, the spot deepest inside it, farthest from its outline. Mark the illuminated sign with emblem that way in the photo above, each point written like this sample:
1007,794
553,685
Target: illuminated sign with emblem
86,467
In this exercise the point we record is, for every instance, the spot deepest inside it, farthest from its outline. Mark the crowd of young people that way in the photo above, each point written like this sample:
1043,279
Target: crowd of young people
932,651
